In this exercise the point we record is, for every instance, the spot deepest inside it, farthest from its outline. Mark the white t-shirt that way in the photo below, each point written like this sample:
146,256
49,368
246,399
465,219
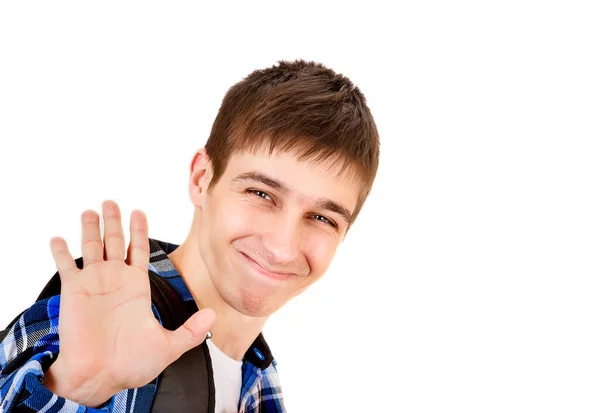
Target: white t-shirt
227,374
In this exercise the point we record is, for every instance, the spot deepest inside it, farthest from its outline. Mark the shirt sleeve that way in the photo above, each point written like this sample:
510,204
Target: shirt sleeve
27,351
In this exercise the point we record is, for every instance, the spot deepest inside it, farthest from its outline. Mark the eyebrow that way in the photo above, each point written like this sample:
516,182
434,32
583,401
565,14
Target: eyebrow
324,203
264,179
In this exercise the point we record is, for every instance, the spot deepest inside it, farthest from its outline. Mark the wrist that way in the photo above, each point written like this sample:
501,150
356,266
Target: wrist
83,390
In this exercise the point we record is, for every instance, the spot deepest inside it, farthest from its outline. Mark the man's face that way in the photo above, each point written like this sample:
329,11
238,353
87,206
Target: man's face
270,227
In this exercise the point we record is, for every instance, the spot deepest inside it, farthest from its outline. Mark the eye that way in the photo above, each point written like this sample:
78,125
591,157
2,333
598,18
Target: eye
261,194
325,220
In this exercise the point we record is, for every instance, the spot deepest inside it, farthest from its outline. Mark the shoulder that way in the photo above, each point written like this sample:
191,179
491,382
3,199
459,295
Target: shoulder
35,331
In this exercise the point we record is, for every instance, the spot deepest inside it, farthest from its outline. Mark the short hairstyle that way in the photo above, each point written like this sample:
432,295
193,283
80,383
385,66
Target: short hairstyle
298,106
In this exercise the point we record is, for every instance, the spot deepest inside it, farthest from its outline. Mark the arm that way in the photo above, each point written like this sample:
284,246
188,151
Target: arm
26,353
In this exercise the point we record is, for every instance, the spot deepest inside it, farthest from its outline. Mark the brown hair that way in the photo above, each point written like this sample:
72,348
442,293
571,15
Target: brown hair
298,106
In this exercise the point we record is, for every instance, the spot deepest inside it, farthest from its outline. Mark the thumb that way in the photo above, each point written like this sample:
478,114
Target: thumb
191,333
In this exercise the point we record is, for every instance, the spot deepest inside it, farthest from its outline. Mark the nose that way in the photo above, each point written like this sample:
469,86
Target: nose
282,239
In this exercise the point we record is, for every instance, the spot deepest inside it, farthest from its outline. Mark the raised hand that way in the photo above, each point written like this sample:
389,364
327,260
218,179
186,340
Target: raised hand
109,337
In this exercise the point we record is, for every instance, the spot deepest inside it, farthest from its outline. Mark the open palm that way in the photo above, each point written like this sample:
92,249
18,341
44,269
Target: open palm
109,337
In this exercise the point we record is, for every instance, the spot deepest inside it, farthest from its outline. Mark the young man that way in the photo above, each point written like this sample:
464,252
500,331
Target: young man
290,160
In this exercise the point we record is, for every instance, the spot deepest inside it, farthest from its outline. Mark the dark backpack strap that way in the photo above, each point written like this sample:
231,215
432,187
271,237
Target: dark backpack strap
187,384
52,288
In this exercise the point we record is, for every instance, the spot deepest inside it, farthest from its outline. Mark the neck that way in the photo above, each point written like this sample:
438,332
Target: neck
232,332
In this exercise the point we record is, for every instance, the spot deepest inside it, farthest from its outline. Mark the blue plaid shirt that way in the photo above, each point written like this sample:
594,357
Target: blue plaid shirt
32,345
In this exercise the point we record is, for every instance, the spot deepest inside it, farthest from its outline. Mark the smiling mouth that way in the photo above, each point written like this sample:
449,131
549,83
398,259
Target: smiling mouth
265,271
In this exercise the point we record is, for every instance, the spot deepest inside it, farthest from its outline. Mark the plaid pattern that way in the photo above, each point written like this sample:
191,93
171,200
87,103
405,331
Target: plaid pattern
32,345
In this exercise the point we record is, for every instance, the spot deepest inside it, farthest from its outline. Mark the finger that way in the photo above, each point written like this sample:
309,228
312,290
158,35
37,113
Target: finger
138,253
65,264
92,248
192,333
114,240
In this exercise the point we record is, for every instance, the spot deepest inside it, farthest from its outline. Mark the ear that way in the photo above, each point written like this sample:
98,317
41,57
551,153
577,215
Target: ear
200,176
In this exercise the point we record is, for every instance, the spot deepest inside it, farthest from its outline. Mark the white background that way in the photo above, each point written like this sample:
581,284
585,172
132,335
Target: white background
471,280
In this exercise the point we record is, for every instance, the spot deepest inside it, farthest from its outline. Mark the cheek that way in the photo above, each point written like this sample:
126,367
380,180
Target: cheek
319,248
234,220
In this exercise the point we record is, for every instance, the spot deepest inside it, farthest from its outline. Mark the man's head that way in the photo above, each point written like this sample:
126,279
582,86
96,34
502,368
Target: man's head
290,160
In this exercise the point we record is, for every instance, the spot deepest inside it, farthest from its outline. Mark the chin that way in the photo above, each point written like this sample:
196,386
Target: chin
247,302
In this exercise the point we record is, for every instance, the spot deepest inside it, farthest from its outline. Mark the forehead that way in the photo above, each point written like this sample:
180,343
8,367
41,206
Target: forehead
307,178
